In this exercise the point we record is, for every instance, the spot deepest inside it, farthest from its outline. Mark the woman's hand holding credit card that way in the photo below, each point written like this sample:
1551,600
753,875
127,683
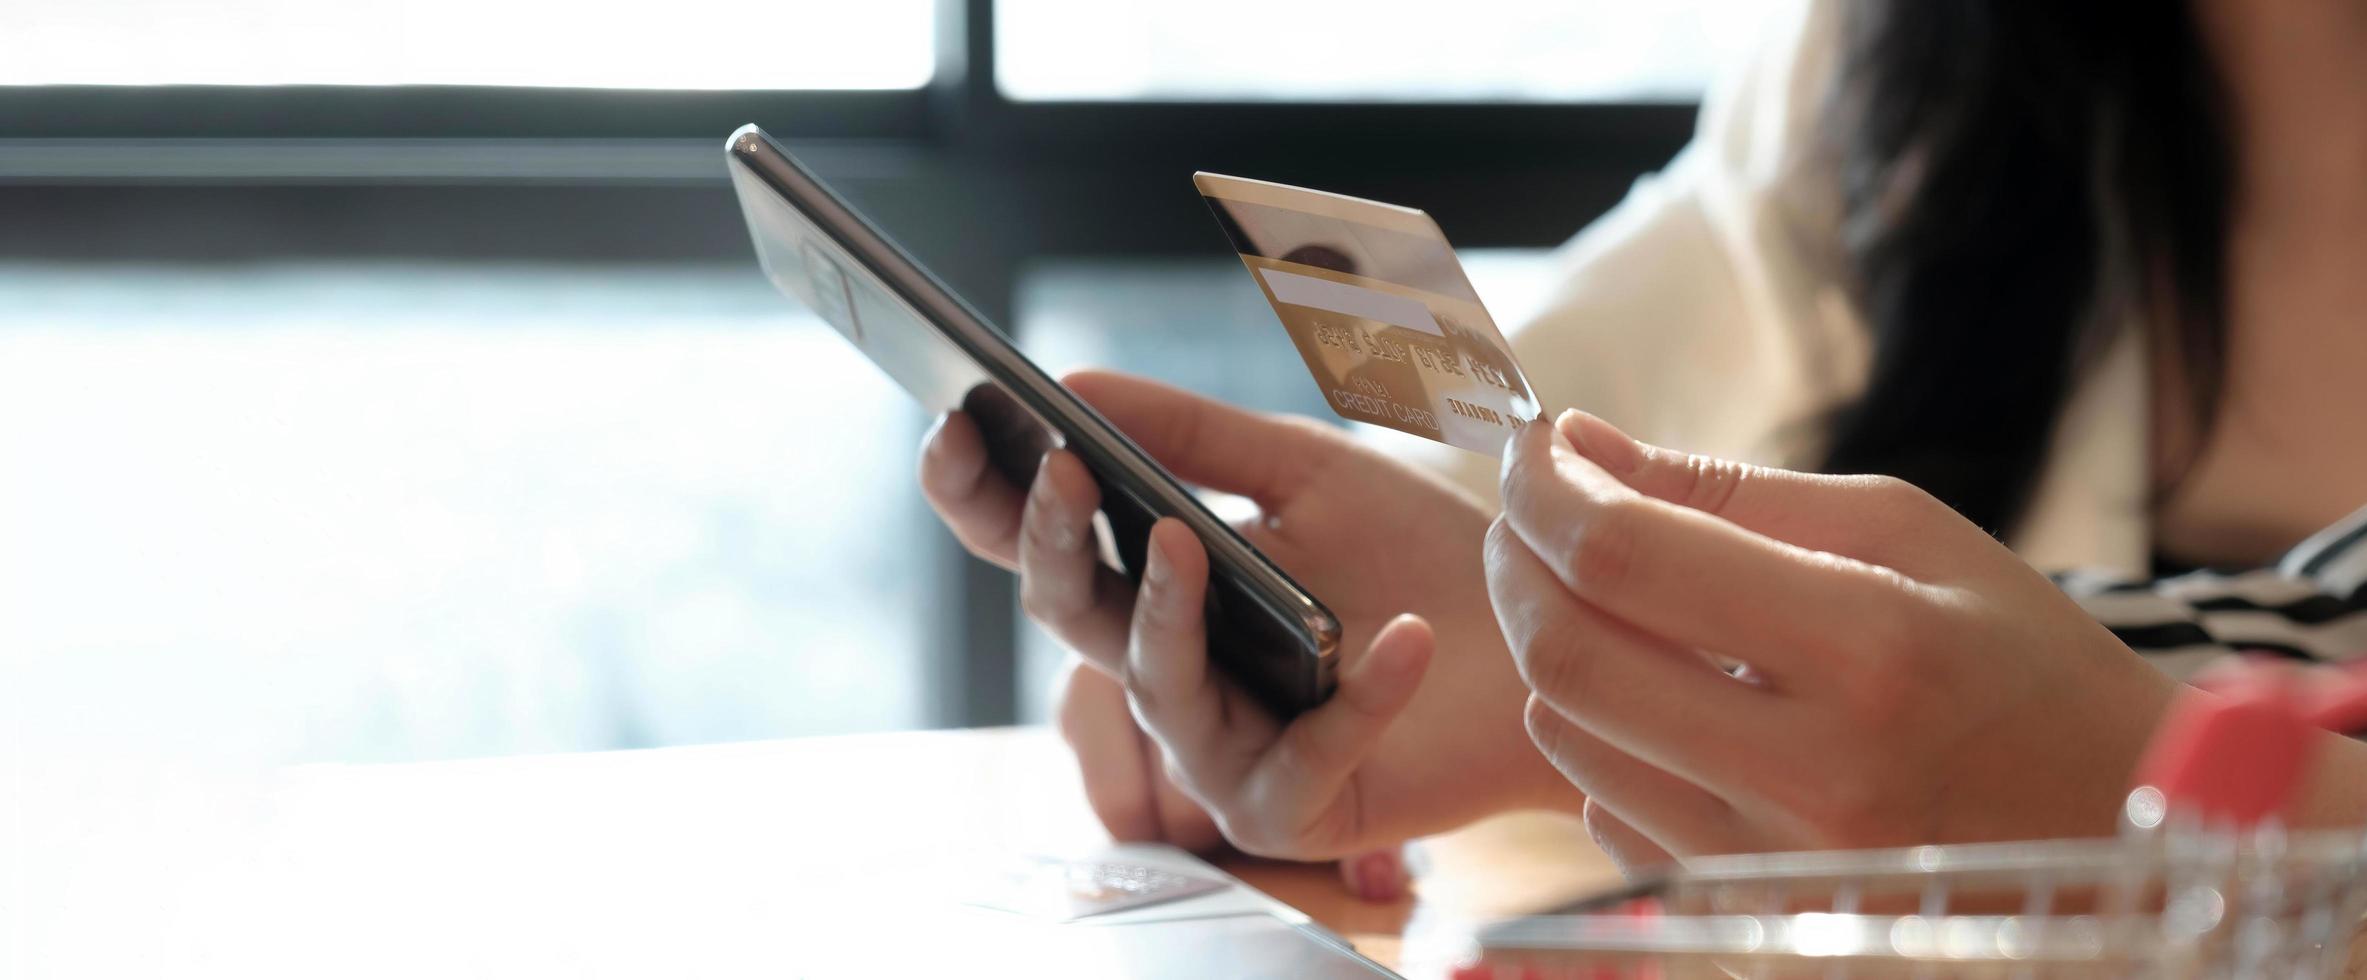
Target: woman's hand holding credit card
1909,681
1424,732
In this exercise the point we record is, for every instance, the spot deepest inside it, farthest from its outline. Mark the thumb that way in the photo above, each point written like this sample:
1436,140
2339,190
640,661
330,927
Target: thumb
1856,516
1378,875
1318,754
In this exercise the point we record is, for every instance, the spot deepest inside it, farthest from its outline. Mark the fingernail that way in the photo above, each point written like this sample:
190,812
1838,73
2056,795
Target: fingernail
929,439
1379,877
1154,568
1060,527
1600,441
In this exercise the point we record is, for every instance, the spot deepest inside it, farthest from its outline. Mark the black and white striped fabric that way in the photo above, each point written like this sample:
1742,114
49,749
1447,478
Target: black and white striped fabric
2311,605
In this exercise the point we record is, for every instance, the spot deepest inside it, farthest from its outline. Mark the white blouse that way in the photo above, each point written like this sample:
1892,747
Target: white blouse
1707,312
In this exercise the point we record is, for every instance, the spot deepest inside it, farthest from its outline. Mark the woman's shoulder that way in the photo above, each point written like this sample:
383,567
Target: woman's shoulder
1761,122
1707,309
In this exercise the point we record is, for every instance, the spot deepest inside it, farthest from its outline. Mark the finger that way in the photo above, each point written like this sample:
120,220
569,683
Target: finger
1663,704
1669,810
1310,765
1862,516
1090,711
1062,582
1635,854
1207,442
1183,822
1693,578
1175,698
1378,875
980,507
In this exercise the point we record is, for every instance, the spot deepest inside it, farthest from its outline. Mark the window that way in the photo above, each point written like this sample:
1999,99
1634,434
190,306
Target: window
682,44
371,511
458,286
1380,50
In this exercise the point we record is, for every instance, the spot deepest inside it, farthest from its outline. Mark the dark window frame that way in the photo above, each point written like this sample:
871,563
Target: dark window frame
962,105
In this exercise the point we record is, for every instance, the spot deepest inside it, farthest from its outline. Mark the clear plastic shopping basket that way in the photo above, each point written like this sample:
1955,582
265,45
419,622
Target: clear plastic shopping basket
2204,881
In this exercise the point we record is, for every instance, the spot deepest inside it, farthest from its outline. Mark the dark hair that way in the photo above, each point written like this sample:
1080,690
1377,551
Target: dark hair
2016,174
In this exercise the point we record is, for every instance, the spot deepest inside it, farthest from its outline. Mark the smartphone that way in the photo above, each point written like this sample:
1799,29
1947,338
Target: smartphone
1264,631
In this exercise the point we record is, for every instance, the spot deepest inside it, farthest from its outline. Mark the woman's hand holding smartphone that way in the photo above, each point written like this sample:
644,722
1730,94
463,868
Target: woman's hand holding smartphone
1424,732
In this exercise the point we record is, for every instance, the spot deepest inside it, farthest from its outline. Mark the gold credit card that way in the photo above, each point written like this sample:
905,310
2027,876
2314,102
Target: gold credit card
1379,308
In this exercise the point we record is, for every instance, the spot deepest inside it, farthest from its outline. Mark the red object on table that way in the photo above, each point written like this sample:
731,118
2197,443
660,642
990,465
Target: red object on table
2234,753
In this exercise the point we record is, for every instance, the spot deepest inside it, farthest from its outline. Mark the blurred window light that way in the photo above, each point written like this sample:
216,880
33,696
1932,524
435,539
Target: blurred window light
330,511
684,44
1381,50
